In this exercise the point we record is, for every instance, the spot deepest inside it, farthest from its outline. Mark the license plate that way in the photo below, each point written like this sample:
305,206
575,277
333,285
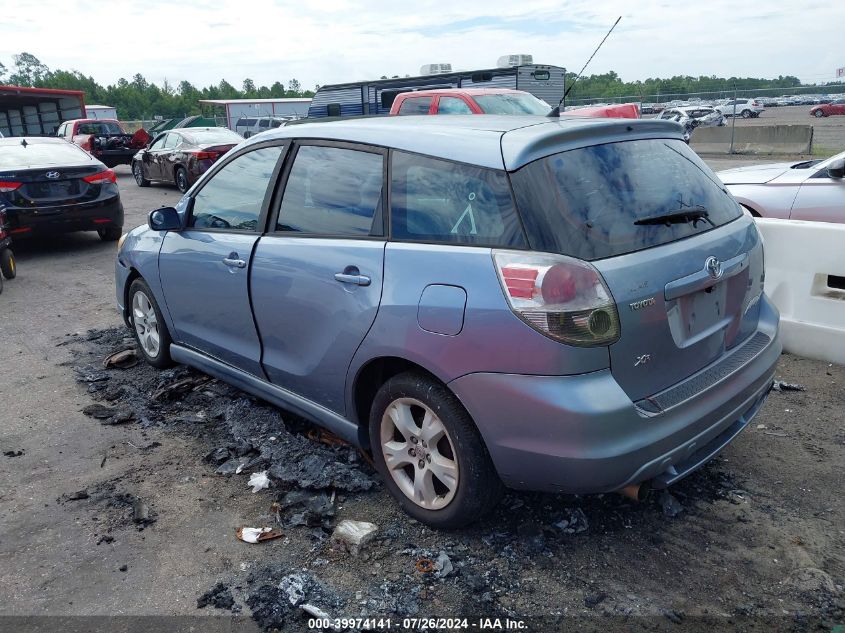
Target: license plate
58,189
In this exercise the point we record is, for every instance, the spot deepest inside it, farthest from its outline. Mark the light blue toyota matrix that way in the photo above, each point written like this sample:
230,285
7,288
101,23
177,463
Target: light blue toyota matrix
571,305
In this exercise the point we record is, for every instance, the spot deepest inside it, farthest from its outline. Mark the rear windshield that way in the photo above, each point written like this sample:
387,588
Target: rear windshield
206,137
35,154
512,104
99,127
586,202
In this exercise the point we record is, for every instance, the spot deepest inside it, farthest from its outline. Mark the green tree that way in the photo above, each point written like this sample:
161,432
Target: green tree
28,70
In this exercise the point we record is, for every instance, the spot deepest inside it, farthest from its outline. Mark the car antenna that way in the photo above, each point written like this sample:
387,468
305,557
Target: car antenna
23,142
557,109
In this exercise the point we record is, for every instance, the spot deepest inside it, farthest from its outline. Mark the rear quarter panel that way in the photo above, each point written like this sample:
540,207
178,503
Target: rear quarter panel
492,339
767,200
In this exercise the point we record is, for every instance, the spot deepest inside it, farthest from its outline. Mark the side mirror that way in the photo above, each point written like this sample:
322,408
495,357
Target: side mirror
164,219
837,169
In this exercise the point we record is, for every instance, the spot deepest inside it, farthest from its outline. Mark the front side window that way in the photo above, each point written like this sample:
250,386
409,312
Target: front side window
415,105
617,198
233,198
440,201
159,142
452,105
333,191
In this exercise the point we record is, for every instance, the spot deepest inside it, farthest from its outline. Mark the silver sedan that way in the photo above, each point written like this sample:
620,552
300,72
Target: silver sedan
807,190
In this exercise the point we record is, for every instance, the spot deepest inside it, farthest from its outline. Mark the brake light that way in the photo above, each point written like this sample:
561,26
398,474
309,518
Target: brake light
205,155
101,177
7,186
564,298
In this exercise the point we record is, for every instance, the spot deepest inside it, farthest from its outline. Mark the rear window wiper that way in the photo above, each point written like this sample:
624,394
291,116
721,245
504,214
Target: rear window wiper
679,216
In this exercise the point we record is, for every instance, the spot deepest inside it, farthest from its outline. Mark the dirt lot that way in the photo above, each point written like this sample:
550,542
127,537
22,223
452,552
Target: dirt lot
131,519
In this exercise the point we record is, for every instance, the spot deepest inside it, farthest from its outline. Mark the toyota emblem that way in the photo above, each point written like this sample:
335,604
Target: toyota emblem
713,266
53,175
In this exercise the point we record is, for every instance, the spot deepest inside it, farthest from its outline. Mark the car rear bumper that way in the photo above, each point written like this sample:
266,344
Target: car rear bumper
87,216
583,434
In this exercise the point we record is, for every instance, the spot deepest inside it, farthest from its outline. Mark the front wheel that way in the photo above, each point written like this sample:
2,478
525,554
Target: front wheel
181,177
430,454
818,114
8,267
138,173
148,325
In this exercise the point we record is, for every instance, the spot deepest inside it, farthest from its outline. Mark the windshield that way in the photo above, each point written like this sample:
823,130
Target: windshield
587,202
207,137
512,104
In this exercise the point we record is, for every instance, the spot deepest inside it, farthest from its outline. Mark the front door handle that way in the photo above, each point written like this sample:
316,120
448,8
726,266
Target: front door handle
233,261
351,275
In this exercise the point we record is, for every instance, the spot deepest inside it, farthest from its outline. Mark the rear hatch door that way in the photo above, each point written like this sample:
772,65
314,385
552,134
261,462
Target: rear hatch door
682,262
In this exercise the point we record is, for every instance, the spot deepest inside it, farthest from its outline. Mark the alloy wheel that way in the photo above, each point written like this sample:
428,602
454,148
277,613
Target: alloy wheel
137,171
146,324
419,453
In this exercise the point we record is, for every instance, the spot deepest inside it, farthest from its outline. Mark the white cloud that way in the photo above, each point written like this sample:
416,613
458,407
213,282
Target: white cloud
347,40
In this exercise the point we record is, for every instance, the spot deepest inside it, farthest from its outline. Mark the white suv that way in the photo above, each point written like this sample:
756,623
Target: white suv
746,108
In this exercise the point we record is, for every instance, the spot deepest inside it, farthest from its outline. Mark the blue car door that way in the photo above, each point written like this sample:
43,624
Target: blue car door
204,268
317,275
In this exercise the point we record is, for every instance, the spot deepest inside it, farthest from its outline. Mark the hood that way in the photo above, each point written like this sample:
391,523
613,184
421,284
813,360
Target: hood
754,174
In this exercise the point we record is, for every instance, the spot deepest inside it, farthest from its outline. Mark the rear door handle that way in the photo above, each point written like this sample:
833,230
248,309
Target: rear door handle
234,262
351,275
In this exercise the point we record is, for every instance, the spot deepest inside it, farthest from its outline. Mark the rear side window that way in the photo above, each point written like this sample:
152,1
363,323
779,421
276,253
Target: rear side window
415,105
233,198
586,202
439,201
333,191
452,105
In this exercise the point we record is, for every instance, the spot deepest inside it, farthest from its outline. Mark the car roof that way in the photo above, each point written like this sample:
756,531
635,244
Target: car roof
485,140
91,121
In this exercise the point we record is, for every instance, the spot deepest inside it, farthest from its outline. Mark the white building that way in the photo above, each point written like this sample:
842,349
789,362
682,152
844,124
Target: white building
250,108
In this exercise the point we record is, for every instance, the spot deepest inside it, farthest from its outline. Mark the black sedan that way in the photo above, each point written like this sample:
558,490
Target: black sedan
182,156
48,185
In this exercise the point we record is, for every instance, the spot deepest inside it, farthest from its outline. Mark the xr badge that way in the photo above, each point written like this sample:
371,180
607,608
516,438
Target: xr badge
643,360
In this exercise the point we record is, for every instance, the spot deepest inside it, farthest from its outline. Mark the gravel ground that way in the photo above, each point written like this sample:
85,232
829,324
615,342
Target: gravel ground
99,518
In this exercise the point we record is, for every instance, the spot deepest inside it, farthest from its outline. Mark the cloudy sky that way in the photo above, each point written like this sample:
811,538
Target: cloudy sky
331,41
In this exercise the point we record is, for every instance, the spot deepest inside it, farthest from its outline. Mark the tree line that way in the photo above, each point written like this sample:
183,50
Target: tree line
137,98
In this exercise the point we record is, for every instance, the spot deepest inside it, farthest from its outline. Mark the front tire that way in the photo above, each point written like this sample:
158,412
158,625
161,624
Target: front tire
818,114
148,325
8,266
181,178
138,173
430,453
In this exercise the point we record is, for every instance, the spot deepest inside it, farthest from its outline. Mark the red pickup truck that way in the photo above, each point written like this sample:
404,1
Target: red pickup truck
494,101
105,139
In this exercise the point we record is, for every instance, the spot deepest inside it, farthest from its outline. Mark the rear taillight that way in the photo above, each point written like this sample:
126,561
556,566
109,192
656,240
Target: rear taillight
564,298
7,186
101,177
205,155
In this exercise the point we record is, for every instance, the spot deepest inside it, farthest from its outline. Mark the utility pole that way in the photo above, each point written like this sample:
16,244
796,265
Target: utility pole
733,122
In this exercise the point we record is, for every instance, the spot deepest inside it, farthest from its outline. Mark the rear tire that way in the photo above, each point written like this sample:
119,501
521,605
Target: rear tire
148,325
110,233
440,471
138,173
746,114
181,178
8,265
